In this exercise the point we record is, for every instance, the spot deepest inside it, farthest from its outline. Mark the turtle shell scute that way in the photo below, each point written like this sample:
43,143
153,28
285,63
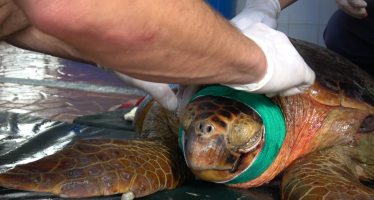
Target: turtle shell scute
339,82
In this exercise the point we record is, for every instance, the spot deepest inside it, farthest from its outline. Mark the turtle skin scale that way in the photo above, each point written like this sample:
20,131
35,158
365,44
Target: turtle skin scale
95,167
327,151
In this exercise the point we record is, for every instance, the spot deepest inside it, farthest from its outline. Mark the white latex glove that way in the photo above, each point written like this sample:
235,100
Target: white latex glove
160,92
354,8
185,93
287,73
264,11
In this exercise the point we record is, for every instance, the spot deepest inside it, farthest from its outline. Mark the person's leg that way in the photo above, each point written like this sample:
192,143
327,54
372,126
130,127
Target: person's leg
353,38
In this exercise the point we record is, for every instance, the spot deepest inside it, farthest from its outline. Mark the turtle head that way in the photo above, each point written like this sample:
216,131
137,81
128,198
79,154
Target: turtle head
222,137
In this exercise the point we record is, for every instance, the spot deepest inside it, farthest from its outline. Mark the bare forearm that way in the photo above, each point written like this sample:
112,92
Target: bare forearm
176,41
285,3
32,39
11,19
16,29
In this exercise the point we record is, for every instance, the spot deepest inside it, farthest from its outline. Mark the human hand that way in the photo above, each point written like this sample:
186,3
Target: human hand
354,8
160,92
12,19
287,73
264,11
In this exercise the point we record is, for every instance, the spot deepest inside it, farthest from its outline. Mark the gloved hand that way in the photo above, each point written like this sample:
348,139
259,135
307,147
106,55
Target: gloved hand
160,92
185,93
354,8
287,73
264,11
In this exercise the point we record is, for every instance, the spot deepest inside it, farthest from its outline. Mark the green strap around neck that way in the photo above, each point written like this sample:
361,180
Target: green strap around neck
272,117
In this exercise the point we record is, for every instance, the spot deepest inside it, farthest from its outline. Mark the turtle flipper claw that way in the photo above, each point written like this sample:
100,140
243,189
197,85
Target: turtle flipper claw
327,174
128,196
94,167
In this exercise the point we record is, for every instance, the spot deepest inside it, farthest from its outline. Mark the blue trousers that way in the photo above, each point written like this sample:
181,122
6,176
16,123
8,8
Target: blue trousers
353,38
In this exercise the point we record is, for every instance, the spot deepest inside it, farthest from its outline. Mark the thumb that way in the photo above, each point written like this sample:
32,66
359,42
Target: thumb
290,92
163,94
270,22
353,8
160,92
358,3
187,93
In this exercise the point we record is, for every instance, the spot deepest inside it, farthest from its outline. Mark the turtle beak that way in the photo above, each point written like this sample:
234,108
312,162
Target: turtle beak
206,146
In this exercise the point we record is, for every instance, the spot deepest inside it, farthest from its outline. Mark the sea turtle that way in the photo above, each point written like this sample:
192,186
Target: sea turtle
320,142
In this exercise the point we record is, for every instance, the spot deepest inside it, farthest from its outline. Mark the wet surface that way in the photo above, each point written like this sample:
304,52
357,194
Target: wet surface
24,139
19,63
54,102
192,190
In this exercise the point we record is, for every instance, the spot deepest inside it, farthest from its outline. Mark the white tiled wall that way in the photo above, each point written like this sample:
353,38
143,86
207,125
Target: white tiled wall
305,19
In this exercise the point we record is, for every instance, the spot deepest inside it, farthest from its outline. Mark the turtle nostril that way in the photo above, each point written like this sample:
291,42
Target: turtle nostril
208,129
201,127
204,128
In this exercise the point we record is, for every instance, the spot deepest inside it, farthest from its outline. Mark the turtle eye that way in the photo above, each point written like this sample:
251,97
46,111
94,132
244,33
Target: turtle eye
245,132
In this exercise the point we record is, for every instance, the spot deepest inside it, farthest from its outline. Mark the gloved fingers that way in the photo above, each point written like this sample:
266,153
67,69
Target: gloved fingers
180,91
263,11
285,67
358,3
290,92
246,19
354,8
188,92
310,77
356,13
271,94
160,92
270,22
163,94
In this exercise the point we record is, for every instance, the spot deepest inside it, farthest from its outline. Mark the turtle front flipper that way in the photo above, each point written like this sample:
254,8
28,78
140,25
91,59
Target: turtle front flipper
93,167
326,174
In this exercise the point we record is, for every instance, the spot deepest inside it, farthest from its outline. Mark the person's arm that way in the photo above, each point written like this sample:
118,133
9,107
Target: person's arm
354,8
156,40
32,39
16,30
285,3
12,19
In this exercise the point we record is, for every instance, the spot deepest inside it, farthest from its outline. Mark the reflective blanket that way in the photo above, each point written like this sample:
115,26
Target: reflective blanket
24,138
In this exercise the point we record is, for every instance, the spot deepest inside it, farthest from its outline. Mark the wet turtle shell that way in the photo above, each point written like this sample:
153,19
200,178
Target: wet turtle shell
332,119
338,81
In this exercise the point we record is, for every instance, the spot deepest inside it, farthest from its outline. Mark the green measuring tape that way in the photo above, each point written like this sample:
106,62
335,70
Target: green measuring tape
272,117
